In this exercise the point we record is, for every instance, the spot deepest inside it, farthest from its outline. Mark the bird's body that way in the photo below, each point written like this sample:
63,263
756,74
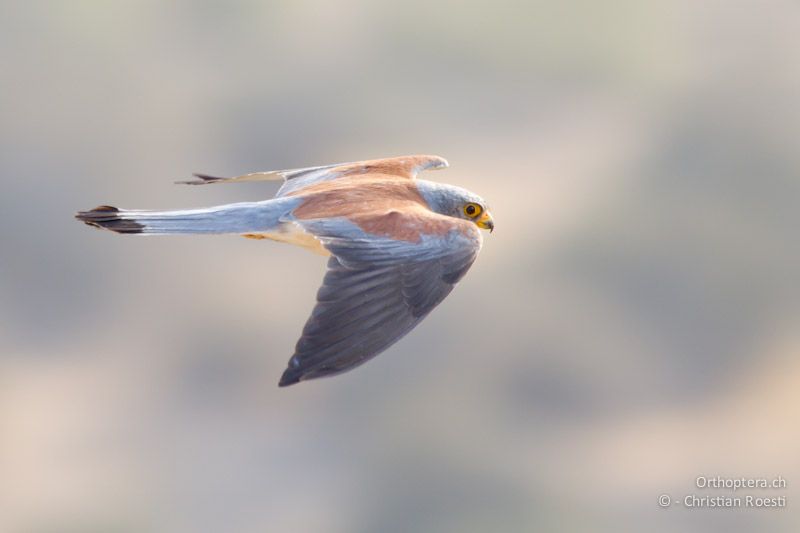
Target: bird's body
398,247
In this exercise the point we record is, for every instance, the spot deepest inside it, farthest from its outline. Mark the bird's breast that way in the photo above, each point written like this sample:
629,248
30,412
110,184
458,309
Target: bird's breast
292,233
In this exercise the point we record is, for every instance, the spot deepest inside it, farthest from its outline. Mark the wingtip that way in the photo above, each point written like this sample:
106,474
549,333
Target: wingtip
431,162
288,378
202,179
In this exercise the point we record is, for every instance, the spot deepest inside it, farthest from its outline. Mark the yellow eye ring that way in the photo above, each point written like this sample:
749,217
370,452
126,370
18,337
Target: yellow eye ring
472,210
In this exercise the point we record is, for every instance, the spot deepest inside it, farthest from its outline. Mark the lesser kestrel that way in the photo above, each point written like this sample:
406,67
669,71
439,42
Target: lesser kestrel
398,246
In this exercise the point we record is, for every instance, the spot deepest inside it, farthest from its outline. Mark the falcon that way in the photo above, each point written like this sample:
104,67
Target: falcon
397,246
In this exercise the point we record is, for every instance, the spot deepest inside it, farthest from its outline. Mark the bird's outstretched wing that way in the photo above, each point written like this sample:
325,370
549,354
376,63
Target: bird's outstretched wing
376,290
295,179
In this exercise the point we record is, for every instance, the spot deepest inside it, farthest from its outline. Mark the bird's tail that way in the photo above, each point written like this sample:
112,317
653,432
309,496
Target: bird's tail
231,218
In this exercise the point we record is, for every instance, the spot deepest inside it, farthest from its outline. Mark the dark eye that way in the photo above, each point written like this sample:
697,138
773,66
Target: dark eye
472,210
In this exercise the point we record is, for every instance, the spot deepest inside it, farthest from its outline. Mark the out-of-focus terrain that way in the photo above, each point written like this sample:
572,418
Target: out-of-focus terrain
633,322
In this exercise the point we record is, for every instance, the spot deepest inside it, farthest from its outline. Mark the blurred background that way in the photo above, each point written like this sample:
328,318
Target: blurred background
632,324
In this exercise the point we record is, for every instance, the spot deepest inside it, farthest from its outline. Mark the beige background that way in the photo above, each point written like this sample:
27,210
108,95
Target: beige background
630,325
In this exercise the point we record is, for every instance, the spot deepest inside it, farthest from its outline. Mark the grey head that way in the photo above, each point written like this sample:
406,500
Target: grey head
454,201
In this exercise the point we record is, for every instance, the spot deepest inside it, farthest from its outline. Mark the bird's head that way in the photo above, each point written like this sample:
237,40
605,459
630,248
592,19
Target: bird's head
457,202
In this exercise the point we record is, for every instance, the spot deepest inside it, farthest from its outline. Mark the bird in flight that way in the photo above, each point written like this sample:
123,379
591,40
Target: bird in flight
397,247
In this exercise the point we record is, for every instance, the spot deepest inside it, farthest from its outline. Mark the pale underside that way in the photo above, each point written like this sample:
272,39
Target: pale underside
292,233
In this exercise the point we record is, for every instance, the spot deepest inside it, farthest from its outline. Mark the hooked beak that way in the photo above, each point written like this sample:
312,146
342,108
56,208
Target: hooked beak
485,221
